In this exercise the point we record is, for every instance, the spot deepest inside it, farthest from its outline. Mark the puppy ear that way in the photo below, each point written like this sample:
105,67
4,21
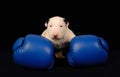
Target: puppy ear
67,24
46,24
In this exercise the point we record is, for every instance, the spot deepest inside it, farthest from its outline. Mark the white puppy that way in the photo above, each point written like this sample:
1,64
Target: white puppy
58,33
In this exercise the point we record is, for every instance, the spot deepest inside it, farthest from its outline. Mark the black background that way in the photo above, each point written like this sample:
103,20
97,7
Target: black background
98,18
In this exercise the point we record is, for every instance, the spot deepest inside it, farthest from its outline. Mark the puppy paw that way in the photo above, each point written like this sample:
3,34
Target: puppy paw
59,55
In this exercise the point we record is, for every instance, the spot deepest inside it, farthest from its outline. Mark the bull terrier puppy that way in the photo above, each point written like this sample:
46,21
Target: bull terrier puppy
58,33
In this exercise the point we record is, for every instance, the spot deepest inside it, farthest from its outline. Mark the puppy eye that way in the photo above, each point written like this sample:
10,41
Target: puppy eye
61,26
50,25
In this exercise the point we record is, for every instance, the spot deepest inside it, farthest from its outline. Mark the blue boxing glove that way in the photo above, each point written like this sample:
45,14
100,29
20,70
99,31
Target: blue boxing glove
34,51
87,50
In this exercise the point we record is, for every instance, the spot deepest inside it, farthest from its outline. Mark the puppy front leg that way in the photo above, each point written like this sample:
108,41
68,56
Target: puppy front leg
59,55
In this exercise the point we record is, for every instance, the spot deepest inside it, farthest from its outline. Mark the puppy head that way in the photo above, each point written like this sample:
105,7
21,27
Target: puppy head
56,27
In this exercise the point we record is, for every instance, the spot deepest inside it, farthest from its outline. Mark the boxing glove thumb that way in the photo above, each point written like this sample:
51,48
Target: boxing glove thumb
18,43
104,44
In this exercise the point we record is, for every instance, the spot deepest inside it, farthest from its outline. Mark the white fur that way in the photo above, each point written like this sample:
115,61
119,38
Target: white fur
57,26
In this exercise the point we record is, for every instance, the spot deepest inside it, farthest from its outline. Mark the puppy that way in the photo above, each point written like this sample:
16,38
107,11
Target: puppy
58,33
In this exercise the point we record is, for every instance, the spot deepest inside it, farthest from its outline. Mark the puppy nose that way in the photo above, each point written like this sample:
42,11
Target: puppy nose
55,35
